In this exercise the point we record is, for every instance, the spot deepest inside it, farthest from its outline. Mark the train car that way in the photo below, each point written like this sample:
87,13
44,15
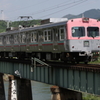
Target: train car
74,40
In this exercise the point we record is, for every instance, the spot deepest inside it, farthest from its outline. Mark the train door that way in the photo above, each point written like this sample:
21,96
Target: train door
55,38
40,40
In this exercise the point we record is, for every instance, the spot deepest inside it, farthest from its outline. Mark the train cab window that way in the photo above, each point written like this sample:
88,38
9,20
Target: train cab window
0,40
61,33
8,39
47,35
78,31
93,31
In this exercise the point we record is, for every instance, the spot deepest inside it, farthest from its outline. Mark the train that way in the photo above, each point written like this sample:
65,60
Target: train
74,40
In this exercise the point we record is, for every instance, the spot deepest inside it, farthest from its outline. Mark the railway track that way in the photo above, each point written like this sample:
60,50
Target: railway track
84,67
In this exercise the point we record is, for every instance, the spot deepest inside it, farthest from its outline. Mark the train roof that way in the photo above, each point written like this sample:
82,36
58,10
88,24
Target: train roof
44,26
36,28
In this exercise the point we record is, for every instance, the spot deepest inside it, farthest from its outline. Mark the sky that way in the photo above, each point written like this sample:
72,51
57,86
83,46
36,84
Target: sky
43,9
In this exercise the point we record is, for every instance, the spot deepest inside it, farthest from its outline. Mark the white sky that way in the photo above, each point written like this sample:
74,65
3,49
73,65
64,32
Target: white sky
41,9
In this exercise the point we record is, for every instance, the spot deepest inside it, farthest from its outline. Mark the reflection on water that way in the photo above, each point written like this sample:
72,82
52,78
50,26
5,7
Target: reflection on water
6,89
40,91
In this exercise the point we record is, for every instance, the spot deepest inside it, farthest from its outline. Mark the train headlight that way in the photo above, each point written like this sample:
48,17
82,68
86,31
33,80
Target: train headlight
72,46
86,43
86,20
98,46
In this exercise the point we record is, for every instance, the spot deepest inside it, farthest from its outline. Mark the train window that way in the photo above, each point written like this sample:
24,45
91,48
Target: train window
28,37
33,36
11,39
23,38
16,39
61,33
8,39
93,31
40,36
0,40
56,34
78,31
47,35
20,38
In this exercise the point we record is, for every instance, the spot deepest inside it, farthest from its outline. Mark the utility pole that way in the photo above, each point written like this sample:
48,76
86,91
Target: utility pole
2,15
82,15
8,23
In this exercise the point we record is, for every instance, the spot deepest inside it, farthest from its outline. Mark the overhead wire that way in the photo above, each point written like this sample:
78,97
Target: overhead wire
28,6
40,11
58,6
51,8
63,9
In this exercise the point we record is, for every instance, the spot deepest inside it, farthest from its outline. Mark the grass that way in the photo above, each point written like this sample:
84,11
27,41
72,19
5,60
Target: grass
95,62
90,97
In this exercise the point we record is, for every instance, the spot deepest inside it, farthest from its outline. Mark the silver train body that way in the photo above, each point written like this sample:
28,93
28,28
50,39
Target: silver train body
74,40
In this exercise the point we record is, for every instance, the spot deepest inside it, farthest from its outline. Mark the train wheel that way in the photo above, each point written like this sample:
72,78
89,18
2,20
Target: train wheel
86,62
77,62
72,62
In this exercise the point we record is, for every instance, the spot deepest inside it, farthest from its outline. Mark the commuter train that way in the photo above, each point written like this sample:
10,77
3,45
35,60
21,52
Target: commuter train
74,40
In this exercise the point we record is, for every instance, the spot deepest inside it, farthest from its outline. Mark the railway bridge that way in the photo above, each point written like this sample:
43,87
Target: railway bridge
69,80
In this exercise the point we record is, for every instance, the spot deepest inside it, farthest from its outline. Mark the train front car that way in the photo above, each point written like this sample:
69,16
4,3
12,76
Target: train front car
83,39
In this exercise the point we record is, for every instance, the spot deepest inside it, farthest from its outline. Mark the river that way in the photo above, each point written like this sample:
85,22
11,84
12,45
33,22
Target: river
40,91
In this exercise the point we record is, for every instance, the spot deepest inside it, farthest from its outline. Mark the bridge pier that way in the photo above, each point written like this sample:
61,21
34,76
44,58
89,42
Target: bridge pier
59,93
2,92
19,89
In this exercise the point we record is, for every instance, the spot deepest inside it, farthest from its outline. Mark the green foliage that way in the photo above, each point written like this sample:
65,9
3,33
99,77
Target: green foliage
3,24
96,61
90,97
99,19
25,23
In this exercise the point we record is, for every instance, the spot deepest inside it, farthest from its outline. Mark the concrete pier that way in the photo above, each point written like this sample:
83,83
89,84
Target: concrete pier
19,89
59,93
2,92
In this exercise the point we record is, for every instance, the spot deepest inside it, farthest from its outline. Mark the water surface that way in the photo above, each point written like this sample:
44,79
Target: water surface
40,91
